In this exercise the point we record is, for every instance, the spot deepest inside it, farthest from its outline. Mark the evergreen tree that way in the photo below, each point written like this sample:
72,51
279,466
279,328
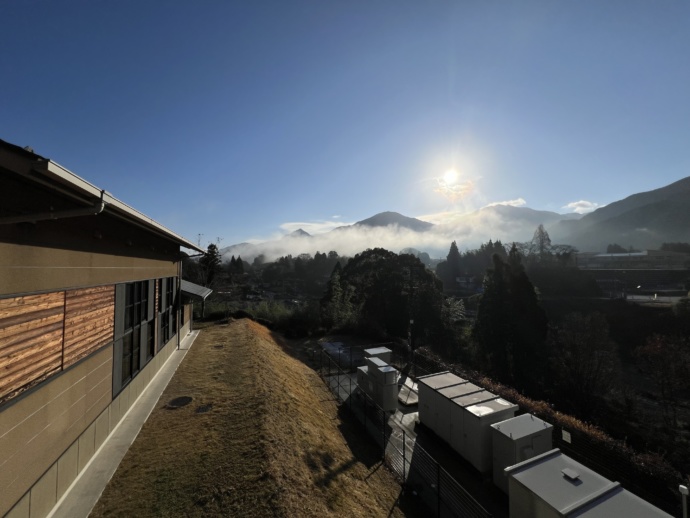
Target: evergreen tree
510,330
209,264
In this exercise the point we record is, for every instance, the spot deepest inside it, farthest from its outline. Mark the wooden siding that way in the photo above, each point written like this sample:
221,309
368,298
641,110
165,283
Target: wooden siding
31,339
89,321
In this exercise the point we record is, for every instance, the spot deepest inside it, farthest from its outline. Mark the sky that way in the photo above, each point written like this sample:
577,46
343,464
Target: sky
240,121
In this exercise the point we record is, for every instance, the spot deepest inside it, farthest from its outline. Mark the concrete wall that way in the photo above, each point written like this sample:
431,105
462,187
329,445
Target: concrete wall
48,437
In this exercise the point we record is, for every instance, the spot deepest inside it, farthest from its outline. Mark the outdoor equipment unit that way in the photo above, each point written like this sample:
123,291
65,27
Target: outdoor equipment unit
444,424
382,353
430,401
552,485
518,439
363,379
477,430
457,416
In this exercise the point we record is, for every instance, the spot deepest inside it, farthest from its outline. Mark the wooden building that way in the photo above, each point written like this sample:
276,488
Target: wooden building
90,309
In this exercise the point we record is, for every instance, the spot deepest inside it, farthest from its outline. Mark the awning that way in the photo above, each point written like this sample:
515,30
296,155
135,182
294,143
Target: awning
194,290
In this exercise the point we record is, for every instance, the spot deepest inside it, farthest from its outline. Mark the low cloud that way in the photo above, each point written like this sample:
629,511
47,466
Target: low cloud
469,230
582,206
518,202
312,227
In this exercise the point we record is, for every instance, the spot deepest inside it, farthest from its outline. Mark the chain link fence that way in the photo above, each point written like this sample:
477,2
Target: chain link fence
608,462
416,469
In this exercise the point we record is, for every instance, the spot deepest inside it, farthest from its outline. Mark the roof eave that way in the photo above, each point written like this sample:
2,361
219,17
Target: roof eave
64,176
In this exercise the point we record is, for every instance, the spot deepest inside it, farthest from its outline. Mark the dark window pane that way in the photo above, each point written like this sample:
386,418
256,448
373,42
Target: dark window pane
126,357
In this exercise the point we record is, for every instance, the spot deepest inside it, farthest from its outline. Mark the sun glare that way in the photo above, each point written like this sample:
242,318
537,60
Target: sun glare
450,176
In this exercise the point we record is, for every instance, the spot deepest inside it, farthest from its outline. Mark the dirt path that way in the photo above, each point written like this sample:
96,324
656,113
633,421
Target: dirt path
261,437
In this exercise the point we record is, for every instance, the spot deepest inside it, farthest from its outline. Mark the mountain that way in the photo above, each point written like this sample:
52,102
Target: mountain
644,221
298,233
387,219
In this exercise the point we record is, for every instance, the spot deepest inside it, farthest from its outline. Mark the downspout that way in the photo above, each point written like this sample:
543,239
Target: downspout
179,300
93,210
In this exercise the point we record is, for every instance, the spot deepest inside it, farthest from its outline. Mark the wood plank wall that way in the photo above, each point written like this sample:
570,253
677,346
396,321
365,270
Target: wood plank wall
30,339
89,321
43,334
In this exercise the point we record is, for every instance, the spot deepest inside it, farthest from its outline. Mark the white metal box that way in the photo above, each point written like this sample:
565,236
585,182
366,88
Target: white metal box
443,425
388,375
477,430
430,401
363,378
457,417
515,440
387,396
374,364
378,352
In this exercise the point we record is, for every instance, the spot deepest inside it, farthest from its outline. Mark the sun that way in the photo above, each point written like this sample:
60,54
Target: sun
450,177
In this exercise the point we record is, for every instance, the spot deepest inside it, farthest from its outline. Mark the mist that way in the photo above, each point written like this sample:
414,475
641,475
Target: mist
468,230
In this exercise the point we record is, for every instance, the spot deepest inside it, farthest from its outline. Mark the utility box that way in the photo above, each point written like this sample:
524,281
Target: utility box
518,439
363,378
552,485
444,424
430,401
388,375
387,396
457,417
382,353
380,381
477,430
374,365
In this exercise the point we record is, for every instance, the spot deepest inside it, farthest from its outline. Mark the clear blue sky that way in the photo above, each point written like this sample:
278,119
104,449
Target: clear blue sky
239,119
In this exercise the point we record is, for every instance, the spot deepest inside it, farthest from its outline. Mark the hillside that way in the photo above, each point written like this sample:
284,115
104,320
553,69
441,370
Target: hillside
272,442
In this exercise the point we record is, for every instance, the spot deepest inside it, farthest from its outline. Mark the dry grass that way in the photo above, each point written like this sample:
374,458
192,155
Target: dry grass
272,443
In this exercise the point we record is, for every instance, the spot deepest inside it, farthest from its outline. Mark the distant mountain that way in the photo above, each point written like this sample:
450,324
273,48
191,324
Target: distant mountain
298,233
644,220
387,219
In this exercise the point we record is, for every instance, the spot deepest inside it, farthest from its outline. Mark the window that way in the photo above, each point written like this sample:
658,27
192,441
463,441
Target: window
167,310
134,331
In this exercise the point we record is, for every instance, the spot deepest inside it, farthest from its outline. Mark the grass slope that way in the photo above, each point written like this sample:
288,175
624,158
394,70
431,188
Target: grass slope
272,443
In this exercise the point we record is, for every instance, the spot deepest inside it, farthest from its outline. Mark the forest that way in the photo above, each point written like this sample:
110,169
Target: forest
523,316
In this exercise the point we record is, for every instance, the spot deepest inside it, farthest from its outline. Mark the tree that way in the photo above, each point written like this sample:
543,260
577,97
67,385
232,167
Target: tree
615,248
510,329
541,243
209,265
383,291
666,360
583,361
450,269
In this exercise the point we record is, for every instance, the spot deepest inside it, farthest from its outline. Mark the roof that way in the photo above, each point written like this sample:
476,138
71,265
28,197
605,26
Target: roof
194,290
544,476
618,502
46,169
459,390
495,406
440,380
376,351
474,398
521,426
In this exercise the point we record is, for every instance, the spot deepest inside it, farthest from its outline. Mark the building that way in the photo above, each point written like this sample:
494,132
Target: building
91,307
635,273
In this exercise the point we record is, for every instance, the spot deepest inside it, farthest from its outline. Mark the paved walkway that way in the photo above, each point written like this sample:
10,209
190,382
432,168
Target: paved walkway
81,497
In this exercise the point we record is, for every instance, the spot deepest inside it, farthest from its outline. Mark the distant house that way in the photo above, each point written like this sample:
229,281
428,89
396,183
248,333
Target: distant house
90,309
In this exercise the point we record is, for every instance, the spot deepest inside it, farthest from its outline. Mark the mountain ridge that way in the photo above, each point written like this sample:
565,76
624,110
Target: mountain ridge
643,220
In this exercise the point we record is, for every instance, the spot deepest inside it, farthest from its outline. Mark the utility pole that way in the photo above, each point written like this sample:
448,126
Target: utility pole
198,239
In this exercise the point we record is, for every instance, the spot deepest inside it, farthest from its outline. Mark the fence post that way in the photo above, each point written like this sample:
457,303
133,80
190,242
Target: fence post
404,448
438,487
383,434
